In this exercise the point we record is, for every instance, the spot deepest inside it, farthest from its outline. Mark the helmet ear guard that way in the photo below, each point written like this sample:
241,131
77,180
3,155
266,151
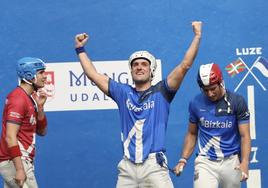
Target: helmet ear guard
209,74
28,75
27,67
143,55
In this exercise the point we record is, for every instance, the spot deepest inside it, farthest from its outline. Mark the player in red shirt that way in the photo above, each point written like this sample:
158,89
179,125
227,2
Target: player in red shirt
23,118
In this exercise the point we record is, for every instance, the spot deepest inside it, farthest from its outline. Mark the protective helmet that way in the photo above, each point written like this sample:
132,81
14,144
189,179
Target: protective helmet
209,74
143,55
27,67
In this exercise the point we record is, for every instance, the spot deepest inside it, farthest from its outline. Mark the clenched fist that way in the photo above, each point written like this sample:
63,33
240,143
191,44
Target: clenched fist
81,40
197,28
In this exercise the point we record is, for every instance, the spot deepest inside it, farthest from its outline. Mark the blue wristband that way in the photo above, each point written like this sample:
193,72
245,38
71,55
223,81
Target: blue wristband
80,50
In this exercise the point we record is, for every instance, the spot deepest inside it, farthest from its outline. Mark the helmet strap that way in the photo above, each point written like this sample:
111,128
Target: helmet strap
33,84
225,97
222,84
152,76
26,81
228,103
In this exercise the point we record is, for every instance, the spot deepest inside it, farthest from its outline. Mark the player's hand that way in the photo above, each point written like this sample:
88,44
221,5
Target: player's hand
81,40
243,167
197,28
178,169
41,97
20,177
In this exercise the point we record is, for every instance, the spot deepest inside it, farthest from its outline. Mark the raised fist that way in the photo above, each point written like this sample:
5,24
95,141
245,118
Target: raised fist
81,40
197,28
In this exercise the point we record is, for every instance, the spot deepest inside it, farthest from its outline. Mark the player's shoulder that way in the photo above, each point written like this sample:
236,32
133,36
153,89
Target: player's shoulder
117,84
16,92
161,85
198,98
232,94
234,97
17,95
198,101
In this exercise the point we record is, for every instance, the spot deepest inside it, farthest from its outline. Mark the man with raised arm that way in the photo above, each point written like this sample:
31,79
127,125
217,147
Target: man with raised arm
143,112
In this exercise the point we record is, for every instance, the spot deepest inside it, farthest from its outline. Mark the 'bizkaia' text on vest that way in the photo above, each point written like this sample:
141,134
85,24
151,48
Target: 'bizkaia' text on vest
145,106
215,124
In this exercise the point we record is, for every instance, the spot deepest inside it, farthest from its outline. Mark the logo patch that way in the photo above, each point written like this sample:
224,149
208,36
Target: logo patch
50,85
15,115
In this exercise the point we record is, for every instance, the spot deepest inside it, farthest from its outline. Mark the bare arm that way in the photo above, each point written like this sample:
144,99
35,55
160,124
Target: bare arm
245,149
190,140
188,147
100,80
11,139
41,127
176,76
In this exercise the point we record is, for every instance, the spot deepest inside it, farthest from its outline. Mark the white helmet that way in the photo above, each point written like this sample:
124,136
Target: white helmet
143,55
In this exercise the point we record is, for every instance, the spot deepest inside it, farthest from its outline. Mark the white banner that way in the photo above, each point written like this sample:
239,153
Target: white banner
69,89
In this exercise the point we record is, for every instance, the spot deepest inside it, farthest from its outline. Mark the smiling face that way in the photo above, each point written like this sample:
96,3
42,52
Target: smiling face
39,80
214,92
140,71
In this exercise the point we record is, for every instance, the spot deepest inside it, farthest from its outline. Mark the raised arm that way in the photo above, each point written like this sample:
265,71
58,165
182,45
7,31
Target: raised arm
99,79
176,76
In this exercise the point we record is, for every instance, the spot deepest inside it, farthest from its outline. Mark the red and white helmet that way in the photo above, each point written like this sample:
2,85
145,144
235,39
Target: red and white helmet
144,55
209,74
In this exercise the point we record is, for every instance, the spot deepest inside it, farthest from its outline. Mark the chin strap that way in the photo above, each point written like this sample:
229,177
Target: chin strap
33,84
226,98
26,81
228,103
